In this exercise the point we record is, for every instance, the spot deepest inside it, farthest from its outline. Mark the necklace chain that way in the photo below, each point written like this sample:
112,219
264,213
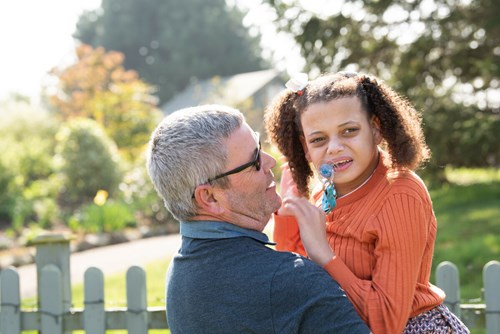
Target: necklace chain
362,184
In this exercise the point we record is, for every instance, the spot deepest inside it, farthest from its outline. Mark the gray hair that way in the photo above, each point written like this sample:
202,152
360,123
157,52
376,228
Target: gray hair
186,149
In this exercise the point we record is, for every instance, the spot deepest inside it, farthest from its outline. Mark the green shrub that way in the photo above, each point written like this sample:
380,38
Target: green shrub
87,161
8,192
27,146
109,217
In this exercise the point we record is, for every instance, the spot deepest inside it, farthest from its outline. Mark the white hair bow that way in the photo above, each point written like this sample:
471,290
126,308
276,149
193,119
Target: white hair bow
297,82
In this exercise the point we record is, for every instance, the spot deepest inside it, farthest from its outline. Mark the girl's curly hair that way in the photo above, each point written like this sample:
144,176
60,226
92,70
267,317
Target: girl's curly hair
400,124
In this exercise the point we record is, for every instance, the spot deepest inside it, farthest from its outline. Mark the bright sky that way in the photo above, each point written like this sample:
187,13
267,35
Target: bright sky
35,36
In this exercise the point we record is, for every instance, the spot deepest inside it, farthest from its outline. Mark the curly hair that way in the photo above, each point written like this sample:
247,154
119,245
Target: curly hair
400,123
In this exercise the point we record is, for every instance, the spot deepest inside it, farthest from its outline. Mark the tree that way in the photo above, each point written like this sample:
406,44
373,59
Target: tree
443,55
169,42
98,87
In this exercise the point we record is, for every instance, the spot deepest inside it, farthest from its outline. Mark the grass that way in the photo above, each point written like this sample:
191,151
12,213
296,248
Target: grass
468,212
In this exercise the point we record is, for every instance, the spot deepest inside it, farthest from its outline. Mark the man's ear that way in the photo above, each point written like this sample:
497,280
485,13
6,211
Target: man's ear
304,147
206,199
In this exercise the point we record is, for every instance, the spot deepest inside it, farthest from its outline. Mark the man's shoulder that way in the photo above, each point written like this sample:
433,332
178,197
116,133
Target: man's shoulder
296,270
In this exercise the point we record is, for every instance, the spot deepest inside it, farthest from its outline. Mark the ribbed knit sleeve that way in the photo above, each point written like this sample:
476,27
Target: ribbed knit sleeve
286,235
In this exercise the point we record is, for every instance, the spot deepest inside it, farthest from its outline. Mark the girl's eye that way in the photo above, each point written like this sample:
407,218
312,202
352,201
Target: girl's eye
350,131
316,140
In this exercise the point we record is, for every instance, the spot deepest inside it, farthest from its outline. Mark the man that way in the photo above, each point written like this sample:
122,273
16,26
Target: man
207,165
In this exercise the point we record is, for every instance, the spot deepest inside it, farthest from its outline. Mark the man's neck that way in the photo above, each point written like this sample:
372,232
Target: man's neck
234,219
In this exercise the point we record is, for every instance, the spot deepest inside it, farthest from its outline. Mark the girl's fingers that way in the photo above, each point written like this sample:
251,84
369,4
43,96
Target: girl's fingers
305,212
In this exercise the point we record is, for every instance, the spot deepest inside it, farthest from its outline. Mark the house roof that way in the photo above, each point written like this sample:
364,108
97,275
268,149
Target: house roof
228,90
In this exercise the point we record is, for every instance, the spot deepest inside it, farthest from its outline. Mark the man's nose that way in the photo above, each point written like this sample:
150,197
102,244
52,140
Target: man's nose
267,160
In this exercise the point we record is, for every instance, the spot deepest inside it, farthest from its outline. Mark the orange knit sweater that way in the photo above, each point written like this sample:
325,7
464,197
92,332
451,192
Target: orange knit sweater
383,237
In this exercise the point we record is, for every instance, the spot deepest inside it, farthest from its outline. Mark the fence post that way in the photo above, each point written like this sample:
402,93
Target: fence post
94,316
10,302
491,281
447,279
53,249
137,317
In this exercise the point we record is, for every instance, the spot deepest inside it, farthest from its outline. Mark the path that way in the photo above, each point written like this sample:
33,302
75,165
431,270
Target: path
110,259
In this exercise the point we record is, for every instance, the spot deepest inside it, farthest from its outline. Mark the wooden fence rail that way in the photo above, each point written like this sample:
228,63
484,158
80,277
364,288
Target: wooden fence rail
55,314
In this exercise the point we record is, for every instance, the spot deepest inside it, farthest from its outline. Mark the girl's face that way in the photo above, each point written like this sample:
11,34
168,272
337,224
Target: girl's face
340,133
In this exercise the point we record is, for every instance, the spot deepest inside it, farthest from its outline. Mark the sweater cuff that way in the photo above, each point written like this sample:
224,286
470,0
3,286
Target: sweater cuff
338,270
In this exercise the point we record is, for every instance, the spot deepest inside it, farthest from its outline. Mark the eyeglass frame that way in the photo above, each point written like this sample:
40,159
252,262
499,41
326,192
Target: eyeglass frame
255,162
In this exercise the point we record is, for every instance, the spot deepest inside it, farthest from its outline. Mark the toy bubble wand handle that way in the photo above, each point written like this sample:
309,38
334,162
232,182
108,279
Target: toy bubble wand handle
328,201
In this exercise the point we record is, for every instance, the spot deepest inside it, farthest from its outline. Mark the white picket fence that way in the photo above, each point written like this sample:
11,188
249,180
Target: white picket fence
55,314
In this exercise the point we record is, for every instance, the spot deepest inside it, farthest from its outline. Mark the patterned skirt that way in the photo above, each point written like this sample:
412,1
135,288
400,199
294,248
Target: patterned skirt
439,320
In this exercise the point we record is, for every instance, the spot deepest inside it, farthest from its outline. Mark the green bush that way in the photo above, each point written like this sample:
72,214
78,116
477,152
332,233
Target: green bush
109,217
87,161
27,146
8,193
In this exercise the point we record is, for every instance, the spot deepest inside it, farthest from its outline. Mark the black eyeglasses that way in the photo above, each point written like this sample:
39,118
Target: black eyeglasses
255,162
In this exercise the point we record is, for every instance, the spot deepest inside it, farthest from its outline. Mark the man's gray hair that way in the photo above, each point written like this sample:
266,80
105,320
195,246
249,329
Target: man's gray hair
186,149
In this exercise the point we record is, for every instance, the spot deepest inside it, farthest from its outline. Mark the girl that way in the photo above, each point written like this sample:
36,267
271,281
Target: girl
379,237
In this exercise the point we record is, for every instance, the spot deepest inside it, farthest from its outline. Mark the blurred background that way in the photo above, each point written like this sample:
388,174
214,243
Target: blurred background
83,84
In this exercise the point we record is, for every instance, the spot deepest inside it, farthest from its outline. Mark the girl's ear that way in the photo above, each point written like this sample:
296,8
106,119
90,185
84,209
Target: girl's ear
304,147
376,130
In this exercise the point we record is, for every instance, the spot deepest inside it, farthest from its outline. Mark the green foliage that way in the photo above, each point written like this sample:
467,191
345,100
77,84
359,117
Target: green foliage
27,193
443,56
8,193
468,226
112,216
170,42
87,162
467,176
37,203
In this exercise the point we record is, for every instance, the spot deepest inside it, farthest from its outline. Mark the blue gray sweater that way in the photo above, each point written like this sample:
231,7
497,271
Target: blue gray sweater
225,279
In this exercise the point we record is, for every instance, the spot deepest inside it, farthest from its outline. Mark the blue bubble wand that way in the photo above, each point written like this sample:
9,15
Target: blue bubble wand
328,201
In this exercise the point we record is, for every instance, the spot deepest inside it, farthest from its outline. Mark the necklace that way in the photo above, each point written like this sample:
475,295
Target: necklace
362,184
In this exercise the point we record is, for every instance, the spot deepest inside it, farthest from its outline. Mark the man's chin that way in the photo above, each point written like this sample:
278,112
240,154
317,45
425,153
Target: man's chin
278,201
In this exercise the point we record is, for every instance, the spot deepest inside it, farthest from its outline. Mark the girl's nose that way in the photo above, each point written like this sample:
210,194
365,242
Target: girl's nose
335,146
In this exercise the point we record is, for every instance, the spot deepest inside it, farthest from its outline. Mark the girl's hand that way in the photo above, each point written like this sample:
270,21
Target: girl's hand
311,221
288,189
